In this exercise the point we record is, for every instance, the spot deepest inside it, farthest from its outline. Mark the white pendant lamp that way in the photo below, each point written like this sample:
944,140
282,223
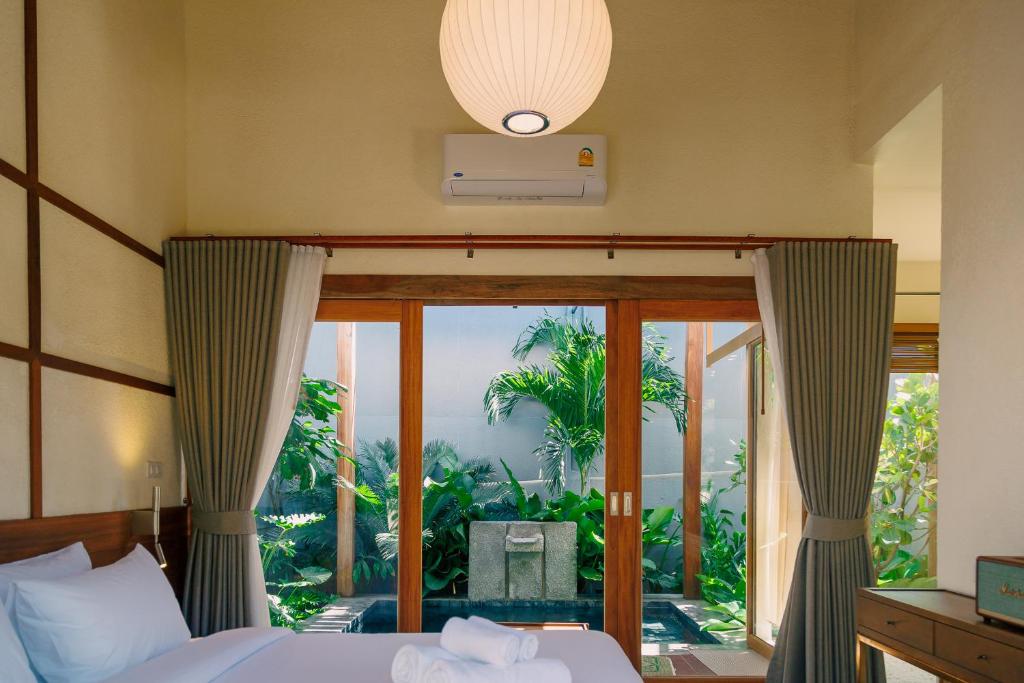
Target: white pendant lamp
525,67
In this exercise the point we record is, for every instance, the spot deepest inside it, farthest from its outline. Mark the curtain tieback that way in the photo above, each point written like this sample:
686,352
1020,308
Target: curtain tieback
833,529
228,523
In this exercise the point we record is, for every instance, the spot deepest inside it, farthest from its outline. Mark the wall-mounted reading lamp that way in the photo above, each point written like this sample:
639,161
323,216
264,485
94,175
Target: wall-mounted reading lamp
147,523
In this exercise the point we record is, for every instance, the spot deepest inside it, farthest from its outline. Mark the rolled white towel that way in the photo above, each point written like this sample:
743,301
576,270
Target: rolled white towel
462,671
528,642
480,643
412,661
539,671
533,671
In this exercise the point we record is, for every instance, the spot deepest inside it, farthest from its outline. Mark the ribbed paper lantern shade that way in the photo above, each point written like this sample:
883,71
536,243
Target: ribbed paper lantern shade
525,67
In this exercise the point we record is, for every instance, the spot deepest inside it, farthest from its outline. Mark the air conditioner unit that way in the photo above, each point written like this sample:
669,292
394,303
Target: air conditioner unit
550,170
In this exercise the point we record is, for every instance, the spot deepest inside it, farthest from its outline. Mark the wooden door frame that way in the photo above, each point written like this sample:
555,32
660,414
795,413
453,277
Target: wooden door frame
626,347
409,316
627,302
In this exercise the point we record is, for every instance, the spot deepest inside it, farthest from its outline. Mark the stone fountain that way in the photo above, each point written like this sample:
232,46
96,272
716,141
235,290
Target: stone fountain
522,561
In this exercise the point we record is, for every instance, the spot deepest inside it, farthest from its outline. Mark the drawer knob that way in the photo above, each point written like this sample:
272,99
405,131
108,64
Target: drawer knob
983,658
890,622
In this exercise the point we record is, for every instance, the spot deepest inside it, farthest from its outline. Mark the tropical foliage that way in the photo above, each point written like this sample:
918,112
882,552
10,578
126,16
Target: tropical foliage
903,498
571,386
723,555
291,584
297,520
298,511
455,493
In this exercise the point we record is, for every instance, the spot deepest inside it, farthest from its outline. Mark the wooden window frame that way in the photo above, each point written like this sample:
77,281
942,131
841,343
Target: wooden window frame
402,299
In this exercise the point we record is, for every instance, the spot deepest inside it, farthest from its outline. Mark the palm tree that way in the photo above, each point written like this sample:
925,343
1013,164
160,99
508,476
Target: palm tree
572,388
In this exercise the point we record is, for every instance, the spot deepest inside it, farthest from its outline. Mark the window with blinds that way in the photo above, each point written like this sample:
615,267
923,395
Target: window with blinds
915,348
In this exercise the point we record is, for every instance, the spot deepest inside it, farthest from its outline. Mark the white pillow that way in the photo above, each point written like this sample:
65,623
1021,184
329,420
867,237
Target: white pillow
13,660
60,563
92,626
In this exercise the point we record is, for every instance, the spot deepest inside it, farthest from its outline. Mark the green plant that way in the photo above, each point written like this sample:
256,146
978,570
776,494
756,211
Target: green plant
455,493
723,577
903,497
292,592
308,461
586,511
660,531
572,389
296,527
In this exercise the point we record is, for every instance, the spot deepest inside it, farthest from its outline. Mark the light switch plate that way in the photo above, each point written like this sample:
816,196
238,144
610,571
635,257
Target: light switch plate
154,469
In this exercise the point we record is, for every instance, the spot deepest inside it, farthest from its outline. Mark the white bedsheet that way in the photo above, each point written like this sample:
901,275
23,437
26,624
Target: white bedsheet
204,659
265,655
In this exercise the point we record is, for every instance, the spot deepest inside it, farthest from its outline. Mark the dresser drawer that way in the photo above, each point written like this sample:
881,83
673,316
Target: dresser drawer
895,623
987,657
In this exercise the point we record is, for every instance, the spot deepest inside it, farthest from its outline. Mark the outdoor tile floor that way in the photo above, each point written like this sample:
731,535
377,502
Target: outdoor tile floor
730,657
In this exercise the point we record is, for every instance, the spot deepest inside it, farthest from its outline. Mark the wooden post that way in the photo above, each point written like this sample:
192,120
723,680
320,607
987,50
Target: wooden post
692,538
346,469
623,576
410,470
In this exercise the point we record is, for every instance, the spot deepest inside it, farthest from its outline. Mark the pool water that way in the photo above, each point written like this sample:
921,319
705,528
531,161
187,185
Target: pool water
663,622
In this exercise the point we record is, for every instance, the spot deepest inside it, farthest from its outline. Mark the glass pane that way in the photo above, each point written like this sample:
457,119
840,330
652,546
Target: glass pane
513,464
903,503
328,517
778,518
696,624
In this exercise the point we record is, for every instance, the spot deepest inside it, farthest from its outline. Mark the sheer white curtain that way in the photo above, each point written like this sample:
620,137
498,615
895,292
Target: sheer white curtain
779,522
302,294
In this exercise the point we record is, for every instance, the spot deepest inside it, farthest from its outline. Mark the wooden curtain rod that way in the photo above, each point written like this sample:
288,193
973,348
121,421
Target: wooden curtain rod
470,241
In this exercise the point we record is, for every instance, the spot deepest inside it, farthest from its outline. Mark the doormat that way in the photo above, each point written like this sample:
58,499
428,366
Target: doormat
657,666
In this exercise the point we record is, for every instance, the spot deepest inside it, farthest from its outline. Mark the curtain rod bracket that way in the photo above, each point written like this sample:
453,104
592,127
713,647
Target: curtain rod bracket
327,250
611,249
469,245
739,250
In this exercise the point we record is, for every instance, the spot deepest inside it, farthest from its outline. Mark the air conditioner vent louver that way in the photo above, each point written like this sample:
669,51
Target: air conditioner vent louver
552,170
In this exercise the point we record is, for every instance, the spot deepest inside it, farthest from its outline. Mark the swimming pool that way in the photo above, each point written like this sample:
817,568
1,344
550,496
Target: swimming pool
663,622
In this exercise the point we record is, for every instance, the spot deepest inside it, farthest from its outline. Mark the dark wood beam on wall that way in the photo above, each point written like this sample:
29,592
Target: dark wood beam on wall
77,367
518,288
35,381
98,224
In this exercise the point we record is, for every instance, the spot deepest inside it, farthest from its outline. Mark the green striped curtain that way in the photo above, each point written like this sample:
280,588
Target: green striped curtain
224,309
831,305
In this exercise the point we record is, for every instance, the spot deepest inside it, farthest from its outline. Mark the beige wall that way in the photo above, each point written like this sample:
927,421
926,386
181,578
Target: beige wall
111,124
111,138
13,265
722,117
14,485
12,83
972,48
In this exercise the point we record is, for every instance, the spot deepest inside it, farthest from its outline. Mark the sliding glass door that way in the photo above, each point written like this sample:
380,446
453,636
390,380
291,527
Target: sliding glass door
514,465
329,520
692,501
558,466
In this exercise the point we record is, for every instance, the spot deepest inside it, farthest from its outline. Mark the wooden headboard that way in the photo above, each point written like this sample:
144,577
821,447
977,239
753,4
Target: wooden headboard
107,536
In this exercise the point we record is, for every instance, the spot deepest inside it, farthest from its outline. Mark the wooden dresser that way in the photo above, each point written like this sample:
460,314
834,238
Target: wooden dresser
938,631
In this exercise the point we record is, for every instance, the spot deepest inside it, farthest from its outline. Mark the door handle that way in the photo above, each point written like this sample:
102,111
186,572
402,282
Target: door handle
613,504
627,504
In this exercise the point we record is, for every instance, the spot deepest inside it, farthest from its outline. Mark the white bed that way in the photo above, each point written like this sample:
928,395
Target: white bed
121,623
257,655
